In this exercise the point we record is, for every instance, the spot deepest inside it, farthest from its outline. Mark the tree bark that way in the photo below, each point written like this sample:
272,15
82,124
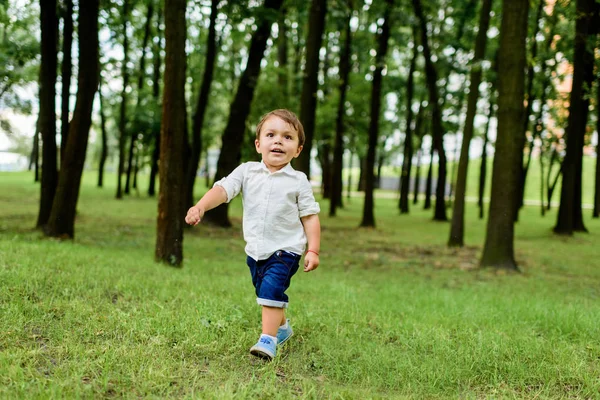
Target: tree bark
419,134
203,98
437,126
596,212
235,129
123,117
310,82
457,228
368,218
408,139
104,138
429,181
570,215
62,218
169,232
338,148
66,72
47,117
498,251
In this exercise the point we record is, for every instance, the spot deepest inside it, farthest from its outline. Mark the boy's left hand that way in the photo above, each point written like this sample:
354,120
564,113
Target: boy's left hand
311,261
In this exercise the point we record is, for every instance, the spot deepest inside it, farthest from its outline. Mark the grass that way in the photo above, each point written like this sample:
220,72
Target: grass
391,312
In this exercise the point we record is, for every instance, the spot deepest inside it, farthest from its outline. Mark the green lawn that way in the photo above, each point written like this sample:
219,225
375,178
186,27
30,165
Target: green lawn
391,312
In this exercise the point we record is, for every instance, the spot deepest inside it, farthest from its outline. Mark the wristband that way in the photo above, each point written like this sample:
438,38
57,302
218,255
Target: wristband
312,251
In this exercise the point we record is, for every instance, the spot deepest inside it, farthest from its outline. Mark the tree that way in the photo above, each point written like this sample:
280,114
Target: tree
408,139
437,127
156,66
203,98
308,98
47,117
498,250
123,113
458,213
233,135
338,148
570,215
169,232
62,218
104,137
66,72
368,219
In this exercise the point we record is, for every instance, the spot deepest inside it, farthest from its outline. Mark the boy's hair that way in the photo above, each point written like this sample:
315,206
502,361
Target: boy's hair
288,117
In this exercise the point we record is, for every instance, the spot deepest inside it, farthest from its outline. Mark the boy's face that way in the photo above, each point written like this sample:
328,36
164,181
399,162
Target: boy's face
278,143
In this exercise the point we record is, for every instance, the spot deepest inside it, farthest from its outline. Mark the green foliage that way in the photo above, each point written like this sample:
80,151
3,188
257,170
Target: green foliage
391,312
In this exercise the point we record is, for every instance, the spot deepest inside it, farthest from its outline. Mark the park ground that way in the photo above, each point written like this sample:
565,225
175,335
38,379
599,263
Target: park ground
390,313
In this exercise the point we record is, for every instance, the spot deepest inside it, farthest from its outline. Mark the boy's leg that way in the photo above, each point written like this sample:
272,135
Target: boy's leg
272,319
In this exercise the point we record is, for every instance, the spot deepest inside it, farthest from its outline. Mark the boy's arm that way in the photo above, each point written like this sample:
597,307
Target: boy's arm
312,228
213,198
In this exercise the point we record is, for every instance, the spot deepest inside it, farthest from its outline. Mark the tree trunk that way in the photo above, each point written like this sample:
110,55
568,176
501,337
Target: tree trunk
203,98
338,148
483,166
34,159
104,149
141,76
596,212
310,82
570,215
324,157
437,127
156,95
498,251
235,129
368,219
429,181
47,117
457,228
530,99
419,134
123,117
62,218
66,72
169,231
408,139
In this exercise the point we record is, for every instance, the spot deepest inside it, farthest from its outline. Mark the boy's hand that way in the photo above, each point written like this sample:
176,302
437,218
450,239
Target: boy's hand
311,261
194,216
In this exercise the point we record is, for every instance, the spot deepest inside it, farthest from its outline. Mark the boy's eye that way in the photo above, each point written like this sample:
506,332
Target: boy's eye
269,134
288,137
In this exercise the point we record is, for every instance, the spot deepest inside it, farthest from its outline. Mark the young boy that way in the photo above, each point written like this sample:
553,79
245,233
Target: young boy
280,219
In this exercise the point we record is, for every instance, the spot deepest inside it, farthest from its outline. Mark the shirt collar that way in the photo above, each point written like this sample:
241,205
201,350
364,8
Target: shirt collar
288,169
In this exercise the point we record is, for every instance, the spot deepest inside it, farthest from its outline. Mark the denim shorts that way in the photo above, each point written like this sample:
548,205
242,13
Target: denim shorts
271,277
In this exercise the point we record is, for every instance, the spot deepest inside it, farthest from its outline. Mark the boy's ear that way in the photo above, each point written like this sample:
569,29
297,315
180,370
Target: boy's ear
298,152
257,144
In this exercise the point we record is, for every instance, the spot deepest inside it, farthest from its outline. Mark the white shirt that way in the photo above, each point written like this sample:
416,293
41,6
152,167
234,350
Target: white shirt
273,204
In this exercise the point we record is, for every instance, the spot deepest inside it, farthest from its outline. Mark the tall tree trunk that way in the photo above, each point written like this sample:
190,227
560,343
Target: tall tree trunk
570,215
408,139
596,212
156,95
47,117
483,166
457,228
368,219
282,59
169,232
429,181
123,116
498,251
104,139
235,129
140,85
338,148
310,82
419,134
203,98
34,159
438,128
62,218
528,108
66,72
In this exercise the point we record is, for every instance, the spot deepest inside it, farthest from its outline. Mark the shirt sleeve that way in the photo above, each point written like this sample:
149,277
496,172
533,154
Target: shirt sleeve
233,182
307,205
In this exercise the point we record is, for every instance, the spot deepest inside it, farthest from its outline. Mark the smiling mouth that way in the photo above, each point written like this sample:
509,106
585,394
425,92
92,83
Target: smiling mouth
277,151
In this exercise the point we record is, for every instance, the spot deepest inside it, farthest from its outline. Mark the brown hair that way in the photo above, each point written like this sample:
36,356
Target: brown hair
288,117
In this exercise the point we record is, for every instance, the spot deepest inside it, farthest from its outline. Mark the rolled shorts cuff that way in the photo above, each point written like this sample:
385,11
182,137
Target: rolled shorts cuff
271,303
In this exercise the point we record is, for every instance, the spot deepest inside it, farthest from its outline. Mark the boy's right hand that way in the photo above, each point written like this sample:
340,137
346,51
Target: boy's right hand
194,216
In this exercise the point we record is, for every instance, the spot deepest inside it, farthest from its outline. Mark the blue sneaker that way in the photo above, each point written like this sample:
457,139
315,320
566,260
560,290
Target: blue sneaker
265,348
283,334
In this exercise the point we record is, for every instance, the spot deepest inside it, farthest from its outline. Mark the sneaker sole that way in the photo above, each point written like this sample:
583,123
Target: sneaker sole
261,353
